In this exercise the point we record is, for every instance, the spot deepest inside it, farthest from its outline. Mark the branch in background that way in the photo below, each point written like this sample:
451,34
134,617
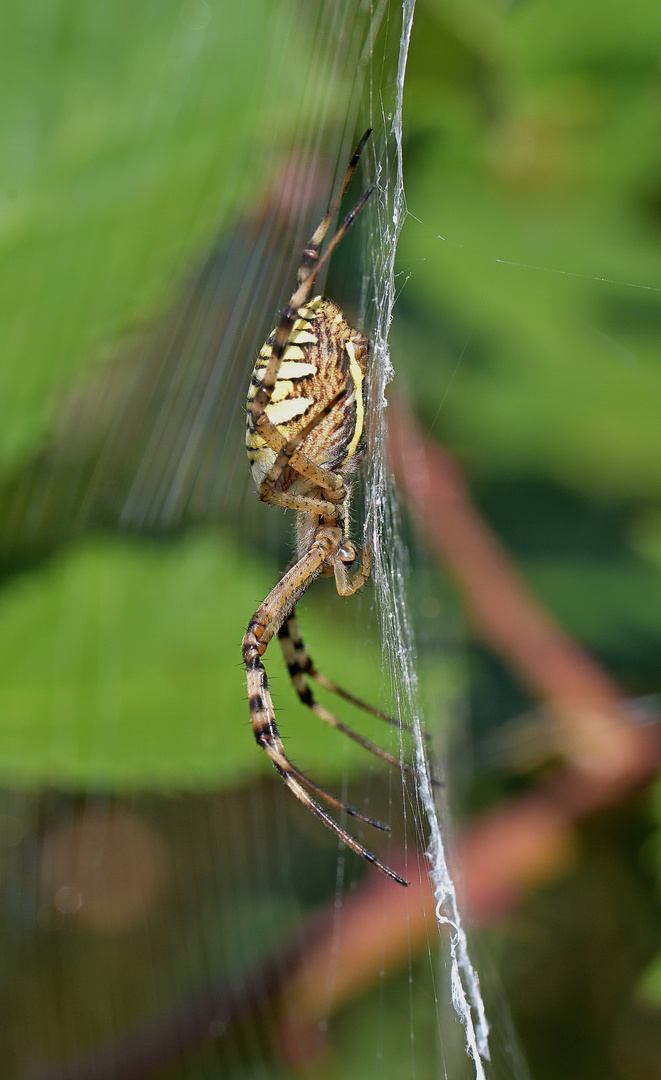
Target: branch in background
591,709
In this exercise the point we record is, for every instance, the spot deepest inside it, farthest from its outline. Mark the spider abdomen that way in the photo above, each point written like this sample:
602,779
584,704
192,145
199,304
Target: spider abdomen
323,357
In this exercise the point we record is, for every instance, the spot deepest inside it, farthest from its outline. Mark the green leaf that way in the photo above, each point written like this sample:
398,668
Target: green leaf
120,668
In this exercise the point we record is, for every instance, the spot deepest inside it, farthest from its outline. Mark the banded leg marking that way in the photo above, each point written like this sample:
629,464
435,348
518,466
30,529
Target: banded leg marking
288,316
299,662
263,625
300,665
289,454
311,253
267,735
323,478
309,269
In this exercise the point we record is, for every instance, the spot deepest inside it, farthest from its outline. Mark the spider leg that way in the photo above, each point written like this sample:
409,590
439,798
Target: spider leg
304,289
264,624
345,837
347,586
296,659
311,252
332,801
288,455
307,504
308,271
299,662
288,317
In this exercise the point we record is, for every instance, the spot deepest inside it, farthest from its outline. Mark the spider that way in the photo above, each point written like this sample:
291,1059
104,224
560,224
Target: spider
304,429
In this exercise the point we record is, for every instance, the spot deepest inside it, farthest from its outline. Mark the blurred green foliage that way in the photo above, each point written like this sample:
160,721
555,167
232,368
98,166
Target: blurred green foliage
119,668
530,325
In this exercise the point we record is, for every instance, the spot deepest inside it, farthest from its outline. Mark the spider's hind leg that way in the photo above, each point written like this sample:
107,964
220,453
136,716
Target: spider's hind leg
262,715
260,630
300,665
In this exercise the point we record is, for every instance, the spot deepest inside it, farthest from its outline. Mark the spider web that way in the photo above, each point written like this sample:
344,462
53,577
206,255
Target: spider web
390,572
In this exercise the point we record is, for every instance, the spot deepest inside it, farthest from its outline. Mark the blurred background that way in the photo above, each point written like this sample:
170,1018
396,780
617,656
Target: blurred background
167,911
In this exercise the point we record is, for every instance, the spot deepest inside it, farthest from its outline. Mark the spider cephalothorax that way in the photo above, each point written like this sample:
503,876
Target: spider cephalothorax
304,430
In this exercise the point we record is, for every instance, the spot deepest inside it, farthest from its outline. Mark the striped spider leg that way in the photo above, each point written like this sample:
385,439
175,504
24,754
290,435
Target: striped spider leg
304,439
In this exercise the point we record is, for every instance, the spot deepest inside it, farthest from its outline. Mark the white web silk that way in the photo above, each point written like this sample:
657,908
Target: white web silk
390,575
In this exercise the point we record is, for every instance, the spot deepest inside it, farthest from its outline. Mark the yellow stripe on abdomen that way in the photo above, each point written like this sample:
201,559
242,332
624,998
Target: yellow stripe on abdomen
357,376
281,412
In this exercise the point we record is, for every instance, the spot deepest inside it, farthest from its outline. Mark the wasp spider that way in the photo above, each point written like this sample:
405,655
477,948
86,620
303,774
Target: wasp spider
304,430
